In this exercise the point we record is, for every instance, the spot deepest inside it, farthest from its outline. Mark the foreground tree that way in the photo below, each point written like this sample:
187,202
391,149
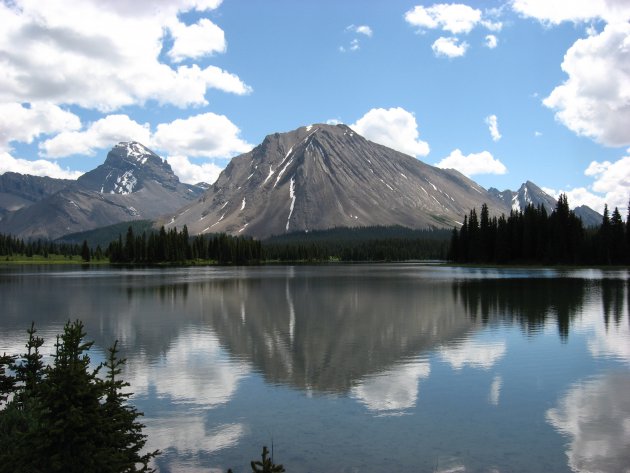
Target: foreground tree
64,417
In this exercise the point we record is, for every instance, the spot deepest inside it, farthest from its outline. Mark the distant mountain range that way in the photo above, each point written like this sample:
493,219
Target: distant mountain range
314,177
132,184
530,194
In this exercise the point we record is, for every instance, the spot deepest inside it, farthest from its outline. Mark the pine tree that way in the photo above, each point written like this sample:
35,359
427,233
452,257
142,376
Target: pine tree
7,382
266,464
85,252
64,417
125,439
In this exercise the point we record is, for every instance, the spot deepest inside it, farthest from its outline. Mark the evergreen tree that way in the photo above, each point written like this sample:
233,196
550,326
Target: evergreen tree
124,432
617,238
85,252
266,464
64,417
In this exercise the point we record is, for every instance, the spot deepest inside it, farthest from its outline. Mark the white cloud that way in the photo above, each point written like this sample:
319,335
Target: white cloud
595,99
207,134
611,185
333,121
612,180
493,127
474,163
25,123
579,196
393,127
40,167
491,41
355,44
105,56
195,41
455,18
449,47
103,133
361,29
558,11
194,173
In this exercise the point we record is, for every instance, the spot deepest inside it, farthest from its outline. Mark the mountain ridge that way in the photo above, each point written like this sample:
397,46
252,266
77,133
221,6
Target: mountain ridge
315,177
133,183
325,176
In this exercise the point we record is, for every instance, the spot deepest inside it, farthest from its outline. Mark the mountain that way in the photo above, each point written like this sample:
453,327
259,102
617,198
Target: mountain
132,184
19,190
530,193
325,176
589,217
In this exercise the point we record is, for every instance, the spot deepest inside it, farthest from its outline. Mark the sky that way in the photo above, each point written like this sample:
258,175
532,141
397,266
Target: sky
504,91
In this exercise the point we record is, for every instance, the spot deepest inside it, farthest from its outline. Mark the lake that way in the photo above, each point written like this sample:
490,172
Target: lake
355,368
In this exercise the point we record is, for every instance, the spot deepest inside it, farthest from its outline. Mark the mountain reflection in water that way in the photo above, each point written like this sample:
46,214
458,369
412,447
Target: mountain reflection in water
374,367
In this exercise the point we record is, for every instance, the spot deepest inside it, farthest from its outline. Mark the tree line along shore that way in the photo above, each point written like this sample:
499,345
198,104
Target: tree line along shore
531,237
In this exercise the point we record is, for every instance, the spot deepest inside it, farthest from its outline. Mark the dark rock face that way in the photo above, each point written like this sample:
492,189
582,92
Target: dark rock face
325,176
133,183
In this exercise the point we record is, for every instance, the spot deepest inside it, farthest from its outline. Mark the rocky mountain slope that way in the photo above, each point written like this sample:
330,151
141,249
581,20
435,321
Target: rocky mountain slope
19,190
133,183
530,193
325,176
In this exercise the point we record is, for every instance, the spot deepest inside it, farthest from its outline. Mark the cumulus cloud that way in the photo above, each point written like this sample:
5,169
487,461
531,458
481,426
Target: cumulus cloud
194,173
579,196
574,10
103,133
612,180
493,127
611,185
491,41
455,18
106,56
207,134
195,41
25,123
393,127
595,99
40,167
449,47
474,163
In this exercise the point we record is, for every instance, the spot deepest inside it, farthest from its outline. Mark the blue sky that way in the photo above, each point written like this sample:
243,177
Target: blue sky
503,90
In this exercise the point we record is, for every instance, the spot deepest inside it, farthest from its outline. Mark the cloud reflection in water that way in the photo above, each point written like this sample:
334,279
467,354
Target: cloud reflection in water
596,416
394,390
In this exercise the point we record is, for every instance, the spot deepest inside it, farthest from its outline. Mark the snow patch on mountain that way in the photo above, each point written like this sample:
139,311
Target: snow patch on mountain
292,197
125,184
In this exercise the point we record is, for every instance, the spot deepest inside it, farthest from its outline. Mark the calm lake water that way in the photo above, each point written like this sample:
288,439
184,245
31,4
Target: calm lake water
364,368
